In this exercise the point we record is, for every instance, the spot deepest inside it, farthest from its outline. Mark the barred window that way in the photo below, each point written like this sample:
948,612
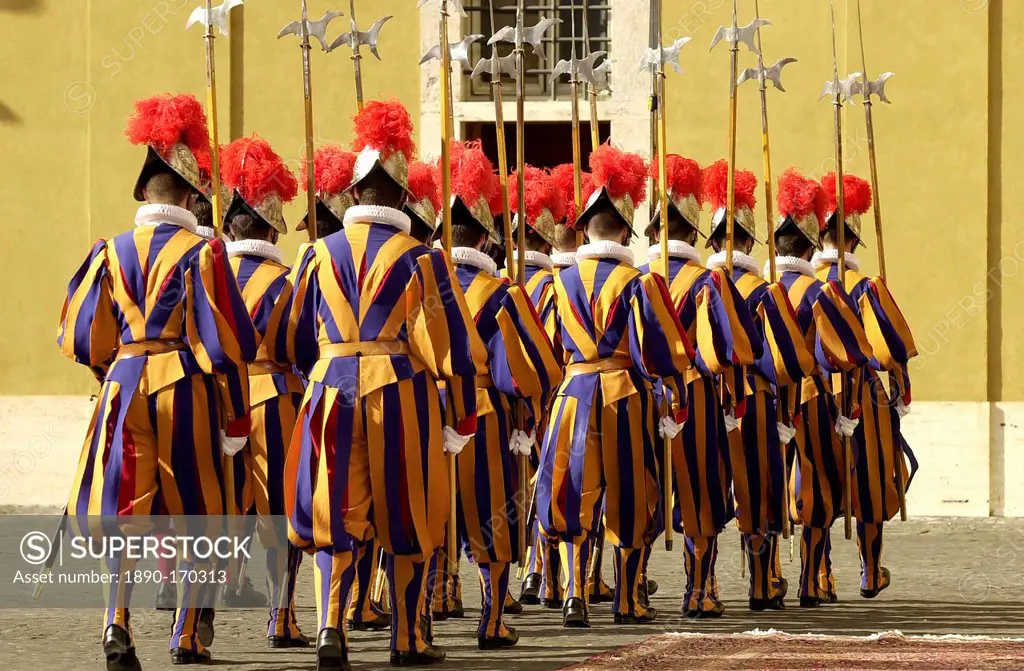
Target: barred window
557,43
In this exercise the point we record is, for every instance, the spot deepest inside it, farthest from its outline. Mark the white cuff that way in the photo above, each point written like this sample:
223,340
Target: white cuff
669,428
731,423
901,408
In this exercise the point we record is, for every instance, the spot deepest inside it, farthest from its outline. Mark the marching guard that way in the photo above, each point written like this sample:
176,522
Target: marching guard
828,319
757,451
260,185
879,445
620,334
719,324
376,319
156,314
514,392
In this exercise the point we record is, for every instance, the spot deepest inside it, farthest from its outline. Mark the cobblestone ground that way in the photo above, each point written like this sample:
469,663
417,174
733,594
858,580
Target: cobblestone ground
949,577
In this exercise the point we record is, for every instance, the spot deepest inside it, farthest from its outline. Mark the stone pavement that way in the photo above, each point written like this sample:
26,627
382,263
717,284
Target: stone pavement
950,576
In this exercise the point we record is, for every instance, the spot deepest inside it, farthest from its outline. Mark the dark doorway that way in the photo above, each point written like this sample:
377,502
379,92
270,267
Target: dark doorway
548,143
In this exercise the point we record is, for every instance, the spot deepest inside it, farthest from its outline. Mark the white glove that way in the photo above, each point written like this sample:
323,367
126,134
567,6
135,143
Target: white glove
846,426
521,442
230,445
731,423
901,408
669,428
786,433
454,442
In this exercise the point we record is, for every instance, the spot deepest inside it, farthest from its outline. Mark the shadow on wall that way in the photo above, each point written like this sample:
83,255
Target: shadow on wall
25,6
8,116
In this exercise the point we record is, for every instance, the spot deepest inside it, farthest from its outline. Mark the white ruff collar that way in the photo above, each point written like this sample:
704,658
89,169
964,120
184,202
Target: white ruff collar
378,214
791,264
262,248
563,259
153,214
467,256
739,260
831,257
206,232
539,259
605,249
677,249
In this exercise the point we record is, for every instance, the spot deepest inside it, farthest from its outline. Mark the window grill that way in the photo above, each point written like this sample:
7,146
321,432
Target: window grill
556,45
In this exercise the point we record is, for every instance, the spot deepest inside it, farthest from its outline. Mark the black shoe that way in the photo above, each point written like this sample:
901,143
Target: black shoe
166,596
574,614
495,642
119,651
513,607
432,655
652,587
716,611
883,583
530,594
810,602
248,598
440,615
603,594
758,605
376,624
552,604
284,642
783,588
649,616
457,612
331,652
204,630
186,656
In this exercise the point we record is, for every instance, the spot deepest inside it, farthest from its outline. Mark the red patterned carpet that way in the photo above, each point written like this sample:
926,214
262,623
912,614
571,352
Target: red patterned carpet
776,650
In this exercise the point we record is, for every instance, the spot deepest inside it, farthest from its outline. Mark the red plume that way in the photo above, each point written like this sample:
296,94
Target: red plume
562,176
541,194
473,175
165,120
800,196
856,192
385,126
332,169
684,176
249,166
716,186
620,172
424,183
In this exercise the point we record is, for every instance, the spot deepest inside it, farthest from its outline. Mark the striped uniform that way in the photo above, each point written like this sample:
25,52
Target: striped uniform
718,323
828,320
878,442
522,366
758,460
275,392
376,318
157,316
619,334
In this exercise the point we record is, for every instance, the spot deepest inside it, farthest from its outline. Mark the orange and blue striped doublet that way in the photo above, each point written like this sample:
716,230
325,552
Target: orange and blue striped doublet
377,318
522,366
758,459
832,330
877,439
620,334
275,392
720,327
157,315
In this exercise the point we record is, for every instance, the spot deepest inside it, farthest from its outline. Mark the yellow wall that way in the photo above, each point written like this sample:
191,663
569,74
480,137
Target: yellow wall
934,152
71,73
72,70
